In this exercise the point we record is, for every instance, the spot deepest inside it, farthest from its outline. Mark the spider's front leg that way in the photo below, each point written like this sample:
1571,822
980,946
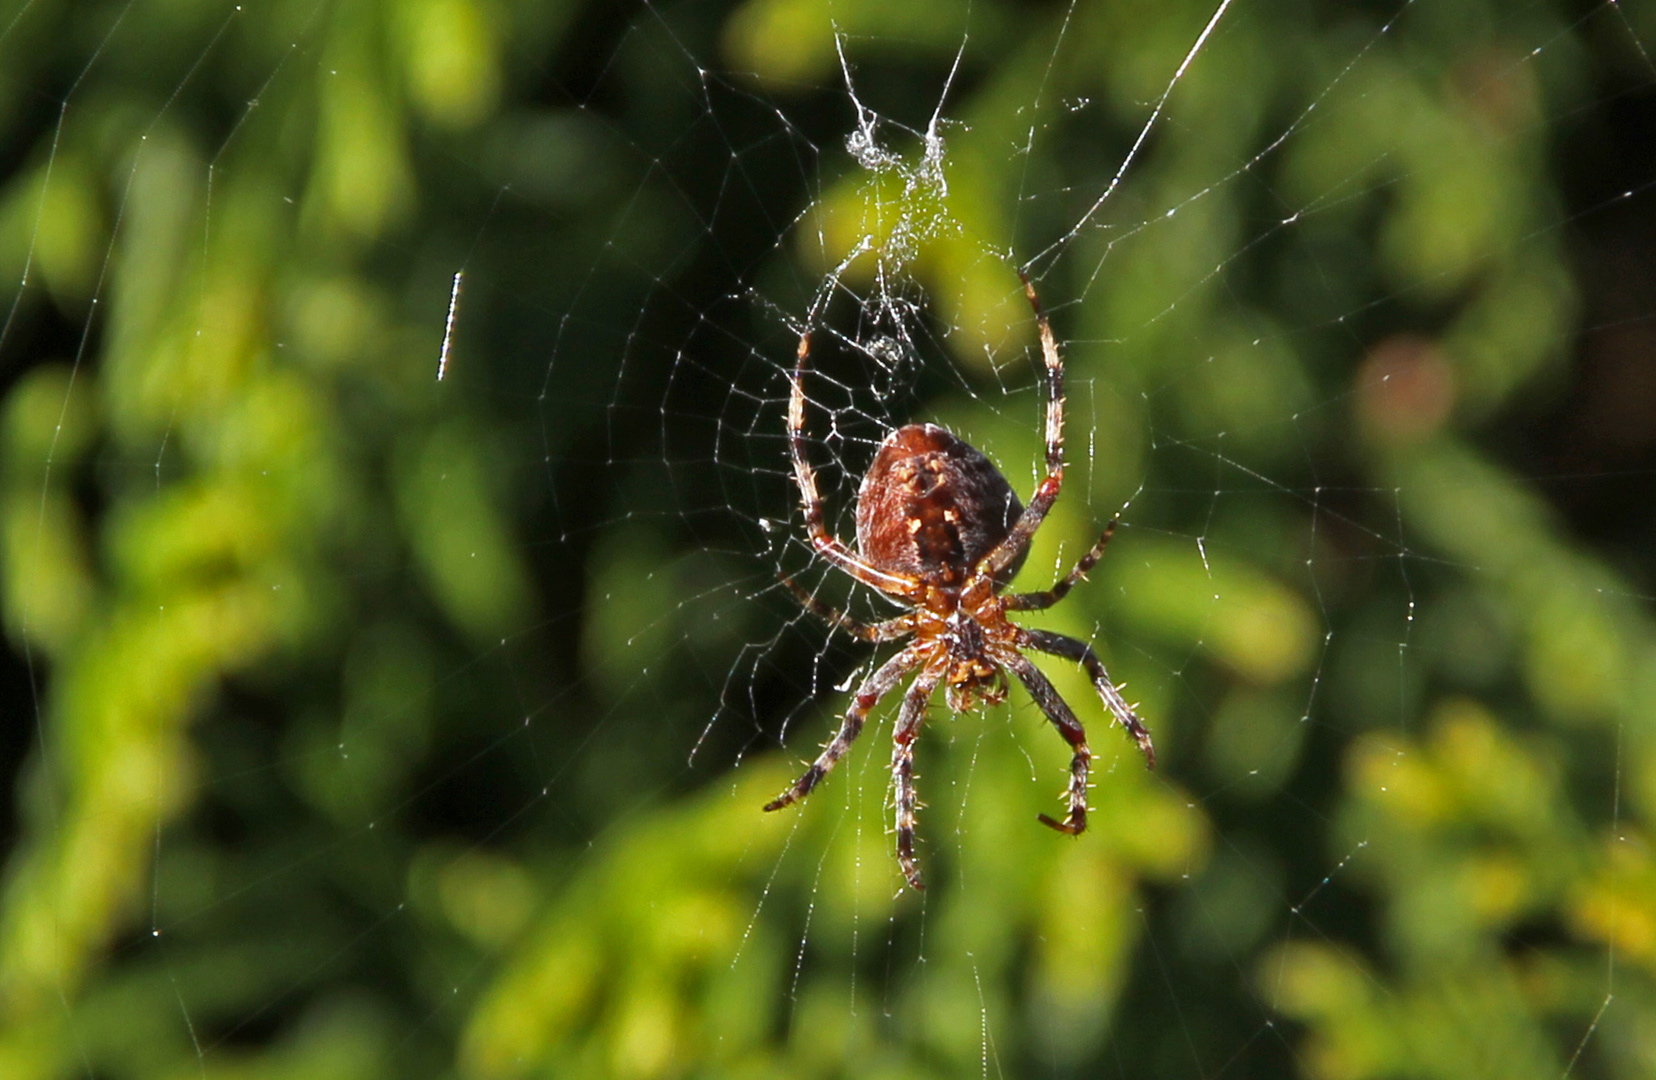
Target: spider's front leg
875,687
1082,653
902,768
1059,712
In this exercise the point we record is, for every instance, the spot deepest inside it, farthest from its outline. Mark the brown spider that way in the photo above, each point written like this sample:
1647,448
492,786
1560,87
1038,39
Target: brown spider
940,529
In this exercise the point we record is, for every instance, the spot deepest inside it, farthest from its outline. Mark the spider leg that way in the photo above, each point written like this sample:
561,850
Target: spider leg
875,687
887,630
1038,601
1082,653
1007,551
1063,718
902,767
823,541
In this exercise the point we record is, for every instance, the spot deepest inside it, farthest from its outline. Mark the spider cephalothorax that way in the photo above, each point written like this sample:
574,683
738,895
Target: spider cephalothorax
940,530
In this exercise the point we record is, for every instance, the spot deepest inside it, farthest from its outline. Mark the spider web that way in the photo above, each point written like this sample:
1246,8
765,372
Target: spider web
399,503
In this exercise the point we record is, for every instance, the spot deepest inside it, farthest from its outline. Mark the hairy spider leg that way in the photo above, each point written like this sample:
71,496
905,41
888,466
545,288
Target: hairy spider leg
821,539
888,630
1040,601
1017,540
1056,710
902,765
875,687
1082,653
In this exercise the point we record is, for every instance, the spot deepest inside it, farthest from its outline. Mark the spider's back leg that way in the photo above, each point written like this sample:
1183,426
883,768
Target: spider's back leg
1017,541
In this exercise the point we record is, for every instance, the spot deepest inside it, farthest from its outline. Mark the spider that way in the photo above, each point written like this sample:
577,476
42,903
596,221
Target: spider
941,531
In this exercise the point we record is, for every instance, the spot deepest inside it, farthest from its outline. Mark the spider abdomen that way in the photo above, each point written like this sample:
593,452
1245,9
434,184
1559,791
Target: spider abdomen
931,505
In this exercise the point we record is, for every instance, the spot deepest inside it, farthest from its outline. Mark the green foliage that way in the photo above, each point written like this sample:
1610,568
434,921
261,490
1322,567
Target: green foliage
358,705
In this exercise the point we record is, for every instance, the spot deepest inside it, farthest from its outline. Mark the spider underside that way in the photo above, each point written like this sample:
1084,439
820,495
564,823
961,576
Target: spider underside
940,530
